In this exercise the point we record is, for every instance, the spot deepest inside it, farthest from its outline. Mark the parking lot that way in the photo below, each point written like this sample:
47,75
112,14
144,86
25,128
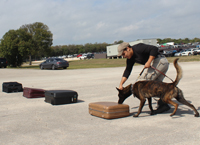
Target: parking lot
32,121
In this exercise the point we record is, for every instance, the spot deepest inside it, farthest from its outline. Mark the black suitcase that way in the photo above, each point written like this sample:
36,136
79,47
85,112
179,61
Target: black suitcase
57,97
9,87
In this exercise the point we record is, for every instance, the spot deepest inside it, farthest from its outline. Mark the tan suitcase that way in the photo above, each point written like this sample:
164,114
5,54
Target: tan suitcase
108,110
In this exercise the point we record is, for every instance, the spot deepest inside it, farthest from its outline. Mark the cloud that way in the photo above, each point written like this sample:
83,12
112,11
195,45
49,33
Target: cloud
90,21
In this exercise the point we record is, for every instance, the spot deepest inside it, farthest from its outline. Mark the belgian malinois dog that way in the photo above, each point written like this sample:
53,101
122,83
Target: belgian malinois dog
149,89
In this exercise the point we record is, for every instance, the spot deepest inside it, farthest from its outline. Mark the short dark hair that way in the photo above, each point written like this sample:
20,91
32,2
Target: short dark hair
126,47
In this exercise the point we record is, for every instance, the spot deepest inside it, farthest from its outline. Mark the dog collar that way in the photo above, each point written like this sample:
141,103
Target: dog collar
131,87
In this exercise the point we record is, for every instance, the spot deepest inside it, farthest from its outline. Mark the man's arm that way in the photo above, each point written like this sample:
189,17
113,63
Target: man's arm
122,82
127,72
153,52
148,63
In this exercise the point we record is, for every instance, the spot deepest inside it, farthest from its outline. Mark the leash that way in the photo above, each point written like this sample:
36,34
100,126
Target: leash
137,79
140,74
162,73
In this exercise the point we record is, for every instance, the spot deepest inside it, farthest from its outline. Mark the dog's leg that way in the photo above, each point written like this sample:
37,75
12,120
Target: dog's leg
142,102
169,101
182,100
150,106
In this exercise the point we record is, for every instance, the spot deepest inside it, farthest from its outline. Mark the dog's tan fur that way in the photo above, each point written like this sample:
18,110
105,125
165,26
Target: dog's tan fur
149,89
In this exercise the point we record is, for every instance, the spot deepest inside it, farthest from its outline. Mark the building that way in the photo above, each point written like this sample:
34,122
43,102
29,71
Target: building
112,49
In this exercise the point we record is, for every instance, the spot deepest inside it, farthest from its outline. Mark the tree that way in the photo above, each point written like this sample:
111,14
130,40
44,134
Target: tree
41,37
15,44
118,42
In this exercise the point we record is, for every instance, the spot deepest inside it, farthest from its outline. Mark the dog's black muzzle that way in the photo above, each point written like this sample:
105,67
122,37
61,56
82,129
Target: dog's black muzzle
121,99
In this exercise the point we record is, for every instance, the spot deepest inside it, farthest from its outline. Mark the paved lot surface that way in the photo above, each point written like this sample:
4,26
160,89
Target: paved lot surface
32,121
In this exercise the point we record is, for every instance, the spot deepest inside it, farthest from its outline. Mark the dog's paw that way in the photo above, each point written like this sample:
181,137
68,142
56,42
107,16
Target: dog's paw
196,115
153,113
135,115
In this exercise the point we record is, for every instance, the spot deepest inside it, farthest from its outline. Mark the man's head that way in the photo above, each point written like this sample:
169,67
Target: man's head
125,50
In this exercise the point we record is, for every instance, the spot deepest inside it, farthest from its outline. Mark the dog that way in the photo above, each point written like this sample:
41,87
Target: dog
165,91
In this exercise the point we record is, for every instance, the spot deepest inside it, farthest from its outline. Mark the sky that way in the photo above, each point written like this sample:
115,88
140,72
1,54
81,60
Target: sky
99,21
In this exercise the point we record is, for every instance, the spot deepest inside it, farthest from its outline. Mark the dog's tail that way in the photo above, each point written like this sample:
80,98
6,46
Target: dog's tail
179,72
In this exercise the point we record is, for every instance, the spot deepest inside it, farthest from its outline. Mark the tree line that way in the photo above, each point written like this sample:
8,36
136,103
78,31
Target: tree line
178,41
71,49
77,49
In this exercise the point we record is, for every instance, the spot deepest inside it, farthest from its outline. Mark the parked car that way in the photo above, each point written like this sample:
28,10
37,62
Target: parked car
186,53
70,56
64,56
3,62
197,51
169,53
179,53
191,50
83,56
90,56
79,55
54,63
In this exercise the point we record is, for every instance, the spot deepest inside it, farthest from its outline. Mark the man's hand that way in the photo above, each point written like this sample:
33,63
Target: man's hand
120,87
147,65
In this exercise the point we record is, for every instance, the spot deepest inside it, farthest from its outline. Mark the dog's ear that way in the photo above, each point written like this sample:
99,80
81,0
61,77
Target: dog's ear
119,90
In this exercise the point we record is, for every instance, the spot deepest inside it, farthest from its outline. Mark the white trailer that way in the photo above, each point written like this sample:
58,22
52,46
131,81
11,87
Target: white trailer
112,51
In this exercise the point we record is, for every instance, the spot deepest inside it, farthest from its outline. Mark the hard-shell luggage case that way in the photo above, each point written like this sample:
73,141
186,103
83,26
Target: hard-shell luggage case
57,97
33,92
10,87
108,110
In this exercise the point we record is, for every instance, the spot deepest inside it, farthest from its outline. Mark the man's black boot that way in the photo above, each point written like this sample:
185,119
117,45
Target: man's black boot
162,107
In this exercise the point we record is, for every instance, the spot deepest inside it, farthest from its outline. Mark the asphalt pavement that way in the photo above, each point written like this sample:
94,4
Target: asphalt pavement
34,122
